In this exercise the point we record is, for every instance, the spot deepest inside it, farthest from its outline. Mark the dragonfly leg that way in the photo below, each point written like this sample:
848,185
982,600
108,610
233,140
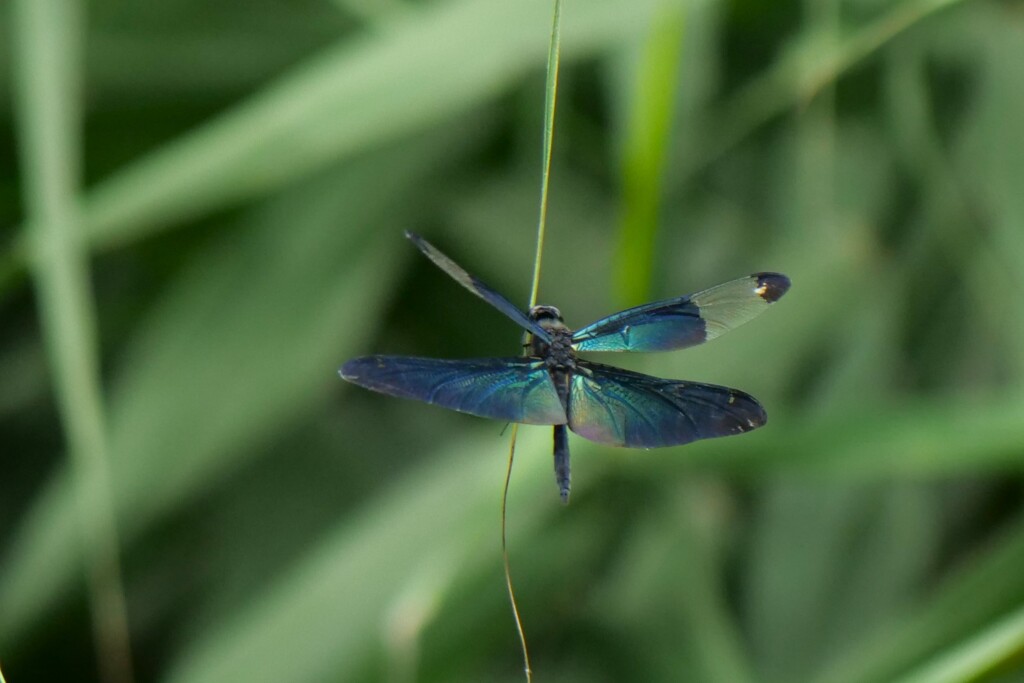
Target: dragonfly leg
562,461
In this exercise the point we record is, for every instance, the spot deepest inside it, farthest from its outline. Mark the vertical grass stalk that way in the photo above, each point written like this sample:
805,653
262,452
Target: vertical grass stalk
47,40
550,96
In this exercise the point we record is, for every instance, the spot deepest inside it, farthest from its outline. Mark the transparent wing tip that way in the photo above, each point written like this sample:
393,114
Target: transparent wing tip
355,369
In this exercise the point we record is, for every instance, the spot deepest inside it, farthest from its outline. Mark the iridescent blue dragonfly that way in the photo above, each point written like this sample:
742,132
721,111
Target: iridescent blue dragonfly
552,386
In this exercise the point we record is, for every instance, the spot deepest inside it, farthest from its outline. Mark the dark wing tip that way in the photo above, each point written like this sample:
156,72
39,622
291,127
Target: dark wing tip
747,411
760,418
771,286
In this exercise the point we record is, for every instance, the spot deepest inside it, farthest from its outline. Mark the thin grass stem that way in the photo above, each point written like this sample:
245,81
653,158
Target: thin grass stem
550,93
504,556
550,96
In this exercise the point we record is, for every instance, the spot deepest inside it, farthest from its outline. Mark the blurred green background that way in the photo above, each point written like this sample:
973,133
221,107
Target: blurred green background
240,175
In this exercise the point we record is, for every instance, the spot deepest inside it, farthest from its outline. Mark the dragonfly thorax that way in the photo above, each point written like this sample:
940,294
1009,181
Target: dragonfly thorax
559,353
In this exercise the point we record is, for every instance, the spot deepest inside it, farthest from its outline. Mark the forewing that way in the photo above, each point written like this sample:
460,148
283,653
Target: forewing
686,320
508,389
474,285
621,408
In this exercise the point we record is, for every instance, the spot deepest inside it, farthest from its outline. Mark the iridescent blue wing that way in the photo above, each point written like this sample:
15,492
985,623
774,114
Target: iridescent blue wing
479,288
621,408
508,389
686,320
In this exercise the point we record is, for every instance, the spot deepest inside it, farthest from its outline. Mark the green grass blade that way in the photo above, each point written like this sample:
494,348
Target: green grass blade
455,56
48,50
648,129
404,548
375,12
665,592
929,438
799,76
976,596
978,656
207,379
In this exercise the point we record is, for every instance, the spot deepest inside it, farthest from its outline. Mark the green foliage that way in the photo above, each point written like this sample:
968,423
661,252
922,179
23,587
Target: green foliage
249,170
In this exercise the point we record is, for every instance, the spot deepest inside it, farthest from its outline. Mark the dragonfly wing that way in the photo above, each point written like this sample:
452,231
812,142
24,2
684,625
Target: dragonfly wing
622,408
474,285
508,389
686,320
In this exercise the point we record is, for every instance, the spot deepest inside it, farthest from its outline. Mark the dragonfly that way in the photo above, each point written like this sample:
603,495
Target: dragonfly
551,385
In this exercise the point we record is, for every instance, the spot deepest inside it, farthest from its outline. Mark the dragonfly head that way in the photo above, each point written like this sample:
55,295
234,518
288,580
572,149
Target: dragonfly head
545,313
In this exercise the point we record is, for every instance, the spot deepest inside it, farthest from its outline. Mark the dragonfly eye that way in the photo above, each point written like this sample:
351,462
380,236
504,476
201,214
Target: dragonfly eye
539,313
